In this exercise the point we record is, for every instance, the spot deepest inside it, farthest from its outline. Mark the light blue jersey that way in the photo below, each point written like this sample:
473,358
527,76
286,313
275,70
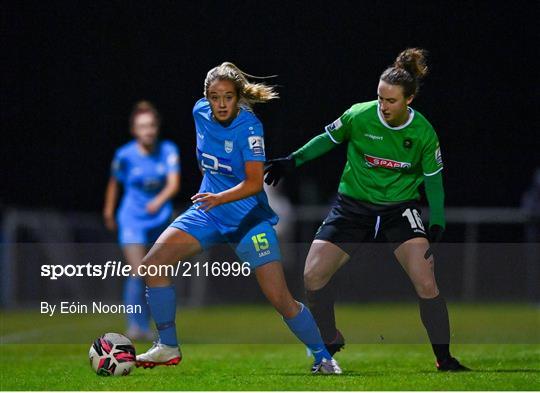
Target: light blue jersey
143,176
222,153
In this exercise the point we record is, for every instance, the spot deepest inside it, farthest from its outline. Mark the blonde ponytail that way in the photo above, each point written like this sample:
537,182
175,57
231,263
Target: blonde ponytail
249,93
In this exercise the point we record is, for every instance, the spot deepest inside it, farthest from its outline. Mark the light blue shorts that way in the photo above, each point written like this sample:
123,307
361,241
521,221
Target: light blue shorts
255,243
136,232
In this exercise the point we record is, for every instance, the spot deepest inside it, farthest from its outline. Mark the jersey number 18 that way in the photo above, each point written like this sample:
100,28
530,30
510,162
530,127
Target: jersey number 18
414,219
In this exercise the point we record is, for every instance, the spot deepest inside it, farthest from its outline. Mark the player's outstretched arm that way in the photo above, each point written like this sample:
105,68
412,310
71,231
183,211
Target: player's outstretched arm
279,167
251,185
435,196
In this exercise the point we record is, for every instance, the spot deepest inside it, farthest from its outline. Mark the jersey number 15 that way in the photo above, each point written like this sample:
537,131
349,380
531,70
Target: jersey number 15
260,241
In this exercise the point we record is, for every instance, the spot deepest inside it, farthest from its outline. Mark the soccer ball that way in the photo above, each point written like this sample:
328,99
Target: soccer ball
112,354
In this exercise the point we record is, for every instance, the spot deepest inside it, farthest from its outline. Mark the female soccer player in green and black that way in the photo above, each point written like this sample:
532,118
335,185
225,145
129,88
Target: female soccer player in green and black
391,150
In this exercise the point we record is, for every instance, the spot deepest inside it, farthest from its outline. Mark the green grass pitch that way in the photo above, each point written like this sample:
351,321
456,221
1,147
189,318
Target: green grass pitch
249,348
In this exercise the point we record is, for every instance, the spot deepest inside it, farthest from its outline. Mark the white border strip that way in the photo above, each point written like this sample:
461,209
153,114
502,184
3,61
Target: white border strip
384,123
434,173
331,137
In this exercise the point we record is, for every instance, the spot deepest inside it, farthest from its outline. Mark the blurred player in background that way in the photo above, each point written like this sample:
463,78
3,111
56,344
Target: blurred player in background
149,171
230,207
280,203
392,150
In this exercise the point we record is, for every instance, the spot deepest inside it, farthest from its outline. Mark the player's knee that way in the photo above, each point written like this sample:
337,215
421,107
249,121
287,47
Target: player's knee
309,279
427,289
149,260
152,273
157,281
313,279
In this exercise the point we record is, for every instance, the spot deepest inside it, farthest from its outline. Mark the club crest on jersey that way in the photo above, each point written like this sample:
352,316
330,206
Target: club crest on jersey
385,162
228,146
160,168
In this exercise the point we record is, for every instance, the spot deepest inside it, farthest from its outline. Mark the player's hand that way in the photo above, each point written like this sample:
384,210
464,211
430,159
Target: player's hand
153,206
206,200
277,168
110,222
435,233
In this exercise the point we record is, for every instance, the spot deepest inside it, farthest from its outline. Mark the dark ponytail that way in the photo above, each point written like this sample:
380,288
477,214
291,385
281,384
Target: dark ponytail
408,70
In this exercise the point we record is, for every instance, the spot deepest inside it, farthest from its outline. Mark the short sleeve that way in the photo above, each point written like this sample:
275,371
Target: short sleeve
431,157
118,167
172,158
340,130
253,143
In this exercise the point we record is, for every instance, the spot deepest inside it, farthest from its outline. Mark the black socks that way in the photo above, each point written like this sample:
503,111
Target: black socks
434,315
321,305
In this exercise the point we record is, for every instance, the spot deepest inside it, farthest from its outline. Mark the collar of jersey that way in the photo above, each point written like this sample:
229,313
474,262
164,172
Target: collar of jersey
384,123
141,154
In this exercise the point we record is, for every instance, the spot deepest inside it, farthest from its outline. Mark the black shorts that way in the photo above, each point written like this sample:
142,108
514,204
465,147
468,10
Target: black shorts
352,222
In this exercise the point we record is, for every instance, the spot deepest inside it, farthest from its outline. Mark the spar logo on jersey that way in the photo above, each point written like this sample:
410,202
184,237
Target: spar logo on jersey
373,161
256,144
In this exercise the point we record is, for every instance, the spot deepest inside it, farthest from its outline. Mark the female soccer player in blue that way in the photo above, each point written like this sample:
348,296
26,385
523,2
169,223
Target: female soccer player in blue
148,170
230,207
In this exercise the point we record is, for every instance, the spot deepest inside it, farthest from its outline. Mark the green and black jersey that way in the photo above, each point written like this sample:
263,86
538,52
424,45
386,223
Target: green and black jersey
385,164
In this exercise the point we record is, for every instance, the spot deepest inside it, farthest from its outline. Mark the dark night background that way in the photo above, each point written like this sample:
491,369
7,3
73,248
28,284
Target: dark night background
72,71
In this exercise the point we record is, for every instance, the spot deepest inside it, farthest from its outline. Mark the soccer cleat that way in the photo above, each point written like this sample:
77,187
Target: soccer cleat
451,364
326,366
159,355
337,344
